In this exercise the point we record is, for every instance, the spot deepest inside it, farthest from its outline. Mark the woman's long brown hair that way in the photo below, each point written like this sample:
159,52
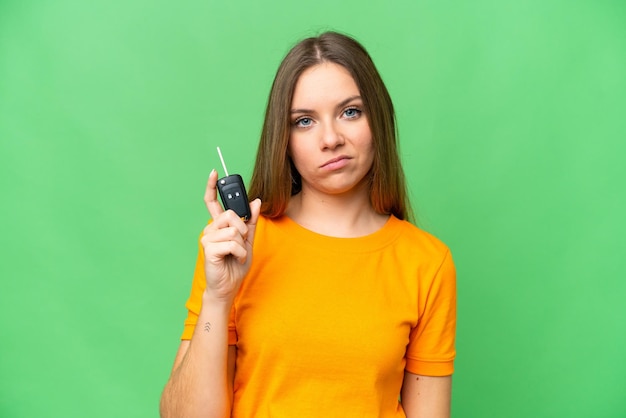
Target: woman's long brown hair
275,179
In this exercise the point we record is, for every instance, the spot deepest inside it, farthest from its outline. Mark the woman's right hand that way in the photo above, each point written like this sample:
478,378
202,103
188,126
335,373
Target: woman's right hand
227,244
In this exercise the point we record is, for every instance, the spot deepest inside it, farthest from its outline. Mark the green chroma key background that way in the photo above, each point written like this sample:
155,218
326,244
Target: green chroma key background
512,126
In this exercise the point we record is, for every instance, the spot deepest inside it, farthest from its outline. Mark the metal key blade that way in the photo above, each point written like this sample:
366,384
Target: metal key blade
222,159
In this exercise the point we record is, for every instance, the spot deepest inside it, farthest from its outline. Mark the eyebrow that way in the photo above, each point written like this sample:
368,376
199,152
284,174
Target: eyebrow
341,104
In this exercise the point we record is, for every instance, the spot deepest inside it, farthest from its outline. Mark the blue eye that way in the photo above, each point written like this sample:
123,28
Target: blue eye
304,122
352,112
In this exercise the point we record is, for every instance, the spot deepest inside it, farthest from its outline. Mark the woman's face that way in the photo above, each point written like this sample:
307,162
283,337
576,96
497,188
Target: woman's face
330,141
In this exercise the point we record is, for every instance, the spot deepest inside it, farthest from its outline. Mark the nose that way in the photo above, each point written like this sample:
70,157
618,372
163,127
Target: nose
332,136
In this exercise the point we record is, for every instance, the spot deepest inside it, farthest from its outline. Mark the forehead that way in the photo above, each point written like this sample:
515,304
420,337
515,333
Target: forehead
327,81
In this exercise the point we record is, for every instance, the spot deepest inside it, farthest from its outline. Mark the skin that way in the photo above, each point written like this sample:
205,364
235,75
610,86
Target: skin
426,396
201,383
331,146
328,123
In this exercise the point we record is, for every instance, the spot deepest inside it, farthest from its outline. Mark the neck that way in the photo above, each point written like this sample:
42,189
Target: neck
344,215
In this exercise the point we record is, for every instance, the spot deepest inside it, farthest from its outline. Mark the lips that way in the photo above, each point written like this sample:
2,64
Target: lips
336,163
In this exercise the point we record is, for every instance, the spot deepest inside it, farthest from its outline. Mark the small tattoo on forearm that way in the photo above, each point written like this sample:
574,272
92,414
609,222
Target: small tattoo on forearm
207,326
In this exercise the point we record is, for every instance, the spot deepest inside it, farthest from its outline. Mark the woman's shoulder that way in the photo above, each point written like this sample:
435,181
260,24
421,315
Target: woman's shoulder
418,238
272,228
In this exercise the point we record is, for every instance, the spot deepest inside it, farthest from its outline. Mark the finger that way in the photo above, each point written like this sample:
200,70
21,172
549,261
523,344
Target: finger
210,196
228,219
215,252
225,234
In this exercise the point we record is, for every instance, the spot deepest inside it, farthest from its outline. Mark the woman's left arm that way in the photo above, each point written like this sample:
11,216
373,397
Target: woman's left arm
426,396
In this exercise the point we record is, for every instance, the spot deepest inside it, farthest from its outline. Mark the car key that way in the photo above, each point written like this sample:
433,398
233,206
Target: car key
233,192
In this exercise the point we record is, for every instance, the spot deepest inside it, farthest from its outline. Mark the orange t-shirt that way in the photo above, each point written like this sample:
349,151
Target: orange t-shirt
326,327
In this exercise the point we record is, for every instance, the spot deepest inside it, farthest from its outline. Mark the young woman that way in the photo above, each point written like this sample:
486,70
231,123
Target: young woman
327,302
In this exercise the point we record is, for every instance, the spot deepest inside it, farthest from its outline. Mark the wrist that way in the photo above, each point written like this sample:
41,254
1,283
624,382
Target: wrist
216,303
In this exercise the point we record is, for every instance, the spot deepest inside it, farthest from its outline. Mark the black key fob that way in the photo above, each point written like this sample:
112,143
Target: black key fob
233,194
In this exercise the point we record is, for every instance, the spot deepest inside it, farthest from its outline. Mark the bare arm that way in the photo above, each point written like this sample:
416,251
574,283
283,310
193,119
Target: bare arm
201,383
232,358
426,396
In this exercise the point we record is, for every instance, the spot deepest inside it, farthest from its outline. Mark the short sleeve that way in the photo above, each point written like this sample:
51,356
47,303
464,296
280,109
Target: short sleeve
194,303
431,348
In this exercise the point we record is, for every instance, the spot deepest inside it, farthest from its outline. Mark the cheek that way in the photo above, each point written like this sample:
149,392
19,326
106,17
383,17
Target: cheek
299,146
370,151
296,147
362,132
366,141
